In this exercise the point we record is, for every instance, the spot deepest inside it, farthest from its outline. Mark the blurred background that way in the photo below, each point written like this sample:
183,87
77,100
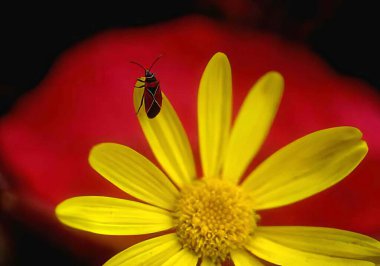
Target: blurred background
343,33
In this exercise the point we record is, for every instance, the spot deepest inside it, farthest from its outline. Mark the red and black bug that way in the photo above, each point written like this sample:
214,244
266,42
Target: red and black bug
152,96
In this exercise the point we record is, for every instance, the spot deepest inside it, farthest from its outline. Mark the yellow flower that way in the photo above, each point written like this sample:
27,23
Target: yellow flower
214,217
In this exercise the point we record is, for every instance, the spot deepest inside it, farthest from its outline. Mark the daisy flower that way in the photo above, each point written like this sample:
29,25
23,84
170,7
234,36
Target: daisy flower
214,218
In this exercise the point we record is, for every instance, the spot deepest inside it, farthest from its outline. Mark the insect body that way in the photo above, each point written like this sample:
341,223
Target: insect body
152,96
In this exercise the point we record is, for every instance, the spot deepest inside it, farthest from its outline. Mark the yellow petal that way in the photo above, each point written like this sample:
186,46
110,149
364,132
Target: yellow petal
306,167
324,241
152,252
167,139
133,173
214,113
241,257
111,216
252,125
183,258
279,254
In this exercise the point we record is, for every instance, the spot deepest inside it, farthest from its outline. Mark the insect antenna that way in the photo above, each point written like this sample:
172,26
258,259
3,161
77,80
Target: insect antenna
155,61
133,62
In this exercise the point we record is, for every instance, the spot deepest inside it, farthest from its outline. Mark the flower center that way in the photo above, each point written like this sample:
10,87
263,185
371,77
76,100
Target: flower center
213,217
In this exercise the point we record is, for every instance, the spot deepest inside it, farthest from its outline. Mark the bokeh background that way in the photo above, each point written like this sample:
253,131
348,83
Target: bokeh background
343,33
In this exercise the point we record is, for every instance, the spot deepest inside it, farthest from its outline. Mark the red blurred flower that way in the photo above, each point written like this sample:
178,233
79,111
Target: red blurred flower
87,98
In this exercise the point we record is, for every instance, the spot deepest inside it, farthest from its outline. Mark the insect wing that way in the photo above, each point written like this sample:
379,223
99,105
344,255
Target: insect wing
152,99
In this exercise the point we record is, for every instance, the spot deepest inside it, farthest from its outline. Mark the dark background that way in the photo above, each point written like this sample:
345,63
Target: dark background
341,32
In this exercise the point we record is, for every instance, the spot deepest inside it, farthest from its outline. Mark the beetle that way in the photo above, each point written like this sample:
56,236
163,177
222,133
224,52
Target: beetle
152,96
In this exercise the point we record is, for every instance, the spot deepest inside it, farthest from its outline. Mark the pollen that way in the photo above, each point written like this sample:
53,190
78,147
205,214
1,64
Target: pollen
213,217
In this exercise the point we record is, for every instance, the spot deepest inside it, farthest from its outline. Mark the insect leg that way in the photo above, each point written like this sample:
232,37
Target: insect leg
142,99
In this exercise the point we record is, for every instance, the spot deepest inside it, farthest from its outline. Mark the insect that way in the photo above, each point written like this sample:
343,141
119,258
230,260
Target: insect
152,93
